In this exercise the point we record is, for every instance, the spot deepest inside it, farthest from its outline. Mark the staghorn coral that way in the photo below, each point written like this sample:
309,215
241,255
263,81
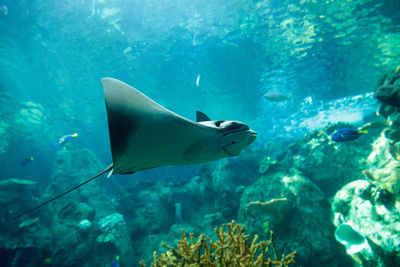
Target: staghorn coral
230,249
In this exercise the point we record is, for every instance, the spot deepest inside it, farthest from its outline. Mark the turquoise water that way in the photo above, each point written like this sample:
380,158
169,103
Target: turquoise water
219,57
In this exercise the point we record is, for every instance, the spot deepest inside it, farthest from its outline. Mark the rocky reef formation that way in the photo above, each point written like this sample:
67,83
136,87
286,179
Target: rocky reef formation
372,207
326,163
297,210
68,231
17,238
281,194
6,100
367,211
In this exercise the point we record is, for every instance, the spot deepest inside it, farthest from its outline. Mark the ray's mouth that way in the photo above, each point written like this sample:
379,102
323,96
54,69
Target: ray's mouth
227,152
253,133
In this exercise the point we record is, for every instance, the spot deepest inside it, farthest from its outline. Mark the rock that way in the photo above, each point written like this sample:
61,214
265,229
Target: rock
388,88
305,205
266,163
5,137
70,168
18,195
114,238
227,177
380,224
148,210
329,165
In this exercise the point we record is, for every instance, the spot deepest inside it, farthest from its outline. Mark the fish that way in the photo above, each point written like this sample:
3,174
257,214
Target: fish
26,161
347,134
145,135
388,94
66,138
198,80
276,96
4,10
115,262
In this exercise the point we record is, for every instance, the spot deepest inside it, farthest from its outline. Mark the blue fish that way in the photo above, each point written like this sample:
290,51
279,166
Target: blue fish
347,134
116,262
26,161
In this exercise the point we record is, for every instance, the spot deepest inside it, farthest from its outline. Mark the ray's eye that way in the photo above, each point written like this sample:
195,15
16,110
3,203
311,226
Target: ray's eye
234,126
218,123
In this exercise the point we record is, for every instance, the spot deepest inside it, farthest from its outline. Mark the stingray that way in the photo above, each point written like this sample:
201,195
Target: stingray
145,135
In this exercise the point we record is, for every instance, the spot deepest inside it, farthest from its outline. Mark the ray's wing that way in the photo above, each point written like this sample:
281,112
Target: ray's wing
143,134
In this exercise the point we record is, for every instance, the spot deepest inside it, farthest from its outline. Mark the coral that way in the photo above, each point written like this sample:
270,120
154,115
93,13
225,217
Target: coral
31,114
112,228
231,249
273,207
351,238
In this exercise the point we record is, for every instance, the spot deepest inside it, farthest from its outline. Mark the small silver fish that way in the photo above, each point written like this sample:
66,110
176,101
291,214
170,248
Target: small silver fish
198,80
276,96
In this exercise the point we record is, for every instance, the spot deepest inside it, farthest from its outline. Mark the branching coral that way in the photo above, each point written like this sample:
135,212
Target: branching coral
230,249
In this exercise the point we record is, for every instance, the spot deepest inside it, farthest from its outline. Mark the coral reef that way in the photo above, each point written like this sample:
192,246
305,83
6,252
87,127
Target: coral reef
232,248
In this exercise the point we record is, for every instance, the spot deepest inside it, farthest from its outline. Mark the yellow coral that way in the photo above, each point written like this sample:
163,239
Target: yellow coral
231,249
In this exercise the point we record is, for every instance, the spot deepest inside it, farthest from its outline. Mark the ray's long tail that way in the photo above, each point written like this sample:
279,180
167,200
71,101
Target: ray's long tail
109,168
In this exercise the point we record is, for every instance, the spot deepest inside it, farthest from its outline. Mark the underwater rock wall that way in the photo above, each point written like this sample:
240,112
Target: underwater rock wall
276,197
372,207
80,229
6,101
369,209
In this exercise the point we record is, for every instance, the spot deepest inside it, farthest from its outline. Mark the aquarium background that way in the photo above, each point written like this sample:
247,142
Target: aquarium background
219,57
